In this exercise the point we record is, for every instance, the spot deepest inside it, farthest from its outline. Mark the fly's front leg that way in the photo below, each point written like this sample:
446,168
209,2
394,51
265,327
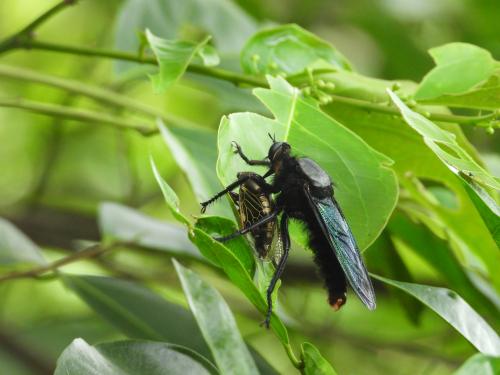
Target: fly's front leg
241,180
239,151
279,269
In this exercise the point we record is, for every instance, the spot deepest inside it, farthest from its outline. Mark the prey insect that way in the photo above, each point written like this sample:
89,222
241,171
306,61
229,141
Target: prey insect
253,203
304,192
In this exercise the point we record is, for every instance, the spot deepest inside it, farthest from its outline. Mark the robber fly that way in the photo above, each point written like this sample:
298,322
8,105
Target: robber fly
304,192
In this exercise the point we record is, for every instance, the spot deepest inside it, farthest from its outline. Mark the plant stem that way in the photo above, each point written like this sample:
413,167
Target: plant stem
463,120
78,114
90,252
98,94
28,30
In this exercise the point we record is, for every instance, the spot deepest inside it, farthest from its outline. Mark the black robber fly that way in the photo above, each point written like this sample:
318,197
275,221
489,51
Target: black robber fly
304,191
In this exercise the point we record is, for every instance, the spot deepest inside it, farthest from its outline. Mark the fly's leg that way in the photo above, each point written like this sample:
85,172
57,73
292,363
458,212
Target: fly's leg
264,220
231,187
239,151
279,269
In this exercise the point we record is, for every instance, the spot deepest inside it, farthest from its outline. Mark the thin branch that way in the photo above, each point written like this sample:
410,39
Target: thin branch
27,32
98,94
78,114
90,252
27,355
370,106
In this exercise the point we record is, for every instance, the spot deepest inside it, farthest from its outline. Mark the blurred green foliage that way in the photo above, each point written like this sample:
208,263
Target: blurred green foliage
87,188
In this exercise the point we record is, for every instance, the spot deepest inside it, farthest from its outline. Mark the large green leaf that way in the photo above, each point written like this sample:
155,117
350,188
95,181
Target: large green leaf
217,324
195,151
443,143
16,248
452,308
140,313
459,67
131,357
173,58
289,49
314,363
126,224
364,184
480,364
486,206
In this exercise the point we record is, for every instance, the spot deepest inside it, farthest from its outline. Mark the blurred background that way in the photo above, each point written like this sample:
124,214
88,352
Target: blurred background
55,173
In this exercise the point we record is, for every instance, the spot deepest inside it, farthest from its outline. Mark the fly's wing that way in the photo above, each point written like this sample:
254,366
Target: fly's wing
339,235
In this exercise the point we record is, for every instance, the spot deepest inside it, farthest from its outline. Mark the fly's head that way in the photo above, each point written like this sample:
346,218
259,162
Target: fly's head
278,152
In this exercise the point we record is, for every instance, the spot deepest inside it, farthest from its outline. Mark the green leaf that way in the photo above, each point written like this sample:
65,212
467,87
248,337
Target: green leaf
170,18
130,357
480,364
459,67
314,363
137,311
452,308
217,324
126,224
289,49
140,313
444,144
237,273
485,95
485,205
16,248
173,58
365,186
219,226
195,151
170,197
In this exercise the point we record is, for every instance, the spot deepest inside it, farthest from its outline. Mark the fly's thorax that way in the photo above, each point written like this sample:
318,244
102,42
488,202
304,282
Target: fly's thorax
316,175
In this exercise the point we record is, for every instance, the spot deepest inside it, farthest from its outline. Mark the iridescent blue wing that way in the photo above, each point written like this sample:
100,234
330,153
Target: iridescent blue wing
339,235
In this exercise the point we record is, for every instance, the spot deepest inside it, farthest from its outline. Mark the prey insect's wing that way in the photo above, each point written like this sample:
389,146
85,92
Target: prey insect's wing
251,209
277,245
339,235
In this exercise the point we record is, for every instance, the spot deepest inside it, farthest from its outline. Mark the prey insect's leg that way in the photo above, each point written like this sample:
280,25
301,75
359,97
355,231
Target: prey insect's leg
232,186
264,220
239,151
279,269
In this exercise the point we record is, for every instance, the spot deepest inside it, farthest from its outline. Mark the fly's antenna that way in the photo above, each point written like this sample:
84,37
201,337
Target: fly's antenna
273,137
